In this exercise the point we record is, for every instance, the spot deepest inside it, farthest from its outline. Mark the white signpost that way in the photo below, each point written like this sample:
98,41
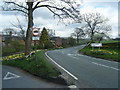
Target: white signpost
35,37
96,45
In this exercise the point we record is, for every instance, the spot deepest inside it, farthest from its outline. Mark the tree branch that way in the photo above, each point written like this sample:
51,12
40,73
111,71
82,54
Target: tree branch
39,3
54,13
17,5
64,10
17,10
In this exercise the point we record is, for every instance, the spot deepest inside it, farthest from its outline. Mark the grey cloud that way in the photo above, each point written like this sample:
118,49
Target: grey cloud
43,12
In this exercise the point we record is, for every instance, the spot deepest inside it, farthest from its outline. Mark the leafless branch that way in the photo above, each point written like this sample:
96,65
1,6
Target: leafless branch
12,6
17,5
39,3
95,23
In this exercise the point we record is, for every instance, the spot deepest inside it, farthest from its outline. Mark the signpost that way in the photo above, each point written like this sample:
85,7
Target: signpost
96,45
35,37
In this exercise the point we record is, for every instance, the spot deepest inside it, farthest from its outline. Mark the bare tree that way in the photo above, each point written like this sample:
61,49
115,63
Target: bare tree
60,8
95,23
78,33
51,32
6,31
19,26
99,37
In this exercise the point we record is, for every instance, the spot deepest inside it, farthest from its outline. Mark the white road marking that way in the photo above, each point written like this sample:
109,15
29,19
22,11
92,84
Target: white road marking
105,66
104,60
80,55
97,58
69,54
92,58
11,77
74,54
75,57
72,86
62,67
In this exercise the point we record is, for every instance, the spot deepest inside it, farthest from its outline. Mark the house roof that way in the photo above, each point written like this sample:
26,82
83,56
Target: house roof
7,36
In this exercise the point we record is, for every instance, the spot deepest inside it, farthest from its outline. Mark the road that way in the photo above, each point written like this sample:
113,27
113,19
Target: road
91,72
16,78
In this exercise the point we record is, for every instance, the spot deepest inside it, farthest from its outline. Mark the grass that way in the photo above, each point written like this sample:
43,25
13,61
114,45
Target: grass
109,50
110,41
37,65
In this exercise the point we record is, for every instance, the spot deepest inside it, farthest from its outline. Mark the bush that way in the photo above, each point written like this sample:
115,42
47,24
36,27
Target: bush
7,51
48,45
14,46
17,46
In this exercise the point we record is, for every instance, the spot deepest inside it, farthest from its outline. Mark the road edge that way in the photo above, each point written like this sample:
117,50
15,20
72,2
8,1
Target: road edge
72,86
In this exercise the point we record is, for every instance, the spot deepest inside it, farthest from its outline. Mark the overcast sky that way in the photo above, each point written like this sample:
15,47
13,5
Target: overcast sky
44,18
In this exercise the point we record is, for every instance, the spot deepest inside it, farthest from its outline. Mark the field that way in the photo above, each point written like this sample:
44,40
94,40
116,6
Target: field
109,50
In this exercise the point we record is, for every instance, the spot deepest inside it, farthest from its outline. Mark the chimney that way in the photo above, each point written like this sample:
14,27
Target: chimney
11,34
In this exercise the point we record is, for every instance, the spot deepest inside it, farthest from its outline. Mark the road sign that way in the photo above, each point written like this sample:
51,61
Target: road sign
35,38
96,44
35,32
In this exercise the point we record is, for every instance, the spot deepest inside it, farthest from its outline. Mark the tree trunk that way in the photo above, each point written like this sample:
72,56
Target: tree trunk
77,40
30,26
100,39
92,34
43,46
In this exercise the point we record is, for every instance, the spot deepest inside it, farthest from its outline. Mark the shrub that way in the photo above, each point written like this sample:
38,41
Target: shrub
14,47
17,46
48,45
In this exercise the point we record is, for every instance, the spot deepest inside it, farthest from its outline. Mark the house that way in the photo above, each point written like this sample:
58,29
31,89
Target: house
6,38
65,42
57,41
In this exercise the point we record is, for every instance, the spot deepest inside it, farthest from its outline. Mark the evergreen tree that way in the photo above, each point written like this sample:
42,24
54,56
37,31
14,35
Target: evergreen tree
45,40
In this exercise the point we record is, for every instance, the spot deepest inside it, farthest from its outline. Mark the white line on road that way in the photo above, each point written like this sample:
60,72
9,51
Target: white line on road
98,59
103,60
72,86
75,57
105,66
10,75
61,67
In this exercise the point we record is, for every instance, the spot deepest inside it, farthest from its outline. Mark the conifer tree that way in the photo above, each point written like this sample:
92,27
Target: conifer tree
44,39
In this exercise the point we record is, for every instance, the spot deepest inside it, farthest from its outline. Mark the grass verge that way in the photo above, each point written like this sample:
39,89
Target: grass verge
37,65
108,51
